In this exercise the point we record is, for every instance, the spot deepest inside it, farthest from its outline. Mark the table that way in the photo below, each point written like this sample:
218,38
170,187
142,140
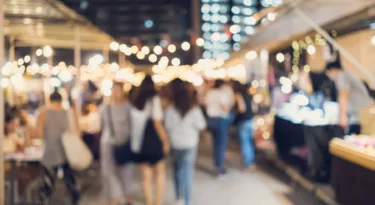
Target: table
353,173
31,155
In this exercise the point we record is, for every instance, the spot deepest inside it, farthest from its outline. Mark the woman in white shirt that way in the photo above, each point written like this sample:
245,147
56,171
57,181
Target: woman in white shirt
183,120
218,106
149,140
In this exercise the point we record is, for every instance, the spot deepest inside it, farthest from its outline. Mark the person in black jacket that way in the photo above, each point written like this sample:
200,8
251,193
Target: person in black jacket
244,124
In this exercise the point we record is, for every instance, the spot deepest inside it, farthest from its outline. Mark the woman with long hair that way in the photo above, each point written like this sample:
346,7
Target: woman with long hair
244,124
149,140
117,180
52,122
183,120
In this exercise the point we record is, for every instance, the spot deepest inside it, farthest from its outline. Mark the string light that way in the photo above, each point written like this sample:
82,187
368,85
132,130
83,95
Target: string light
172,48
158,50
251,55
176,62
27,59
185,46
39,52
152,58
134,49
145,50
280,57
47,51
200,42
114,46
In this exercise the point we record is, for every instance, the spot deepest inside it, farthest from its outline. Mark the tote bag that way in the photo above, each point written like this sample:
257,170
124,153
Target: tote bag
77,153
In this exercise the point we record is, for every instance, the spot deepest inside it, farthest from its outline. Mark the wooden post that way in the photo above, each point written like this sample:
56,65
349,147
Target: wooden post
77,64
2,184
12,52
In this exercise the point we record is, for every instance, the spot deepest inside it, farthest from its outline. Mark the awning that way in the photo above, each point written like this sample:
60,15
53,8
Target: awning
49,22
289,25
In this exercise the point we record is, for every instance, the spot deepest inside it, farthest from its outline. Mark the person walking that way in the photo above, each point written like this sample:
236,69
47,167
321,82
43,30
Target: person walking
218,107
52,122
149,140
183,121
243,122
116,180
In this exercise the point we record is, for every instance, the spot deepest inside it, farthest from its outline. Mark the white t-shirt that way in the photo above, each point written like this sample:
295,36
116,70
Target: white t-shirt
91,123
184,131
139,118
215,101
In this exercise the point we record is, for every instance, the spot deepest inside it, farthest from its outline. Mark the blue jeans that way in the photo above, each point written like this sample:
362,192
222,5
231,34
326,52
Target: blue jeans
183,168
245,131
219,130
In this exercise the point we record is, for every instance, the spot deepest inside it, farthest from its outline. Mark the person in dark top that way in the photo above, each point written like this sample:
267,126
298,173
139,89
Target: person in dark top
244,124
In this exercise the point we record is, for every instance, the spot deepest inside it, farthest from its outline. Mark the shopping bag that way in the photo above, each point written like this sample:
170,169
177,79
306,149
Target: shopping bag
77,153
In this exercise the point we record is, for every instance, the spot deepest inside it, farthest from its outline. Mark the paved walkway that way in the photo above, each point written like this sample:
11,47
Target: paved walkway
237,188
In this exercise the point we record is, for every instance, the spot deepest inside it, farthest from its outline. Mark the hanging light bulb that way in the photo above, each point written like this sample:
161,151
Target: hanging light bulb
172,48
185,46
114,46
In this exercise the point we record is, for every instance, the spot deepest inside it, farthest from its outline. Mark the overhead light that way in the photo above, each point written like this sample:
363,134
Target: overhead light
251,55
47,51
176,62
200,42
123,48
140,56
311,49
271,16
152,58
114,46
27,59
134,49
158,50
172,48
185,46
149,23
145,50
20,61
280,57
39,52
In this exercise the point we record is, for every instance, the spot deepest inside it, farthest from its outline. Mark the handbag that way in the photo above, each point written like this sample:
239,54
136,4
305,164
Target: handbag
123,153
77,153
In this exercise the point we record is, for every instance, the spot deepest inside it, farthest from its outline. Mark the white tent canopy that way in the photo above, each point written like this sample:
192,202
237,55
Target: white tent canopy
289,25
49,22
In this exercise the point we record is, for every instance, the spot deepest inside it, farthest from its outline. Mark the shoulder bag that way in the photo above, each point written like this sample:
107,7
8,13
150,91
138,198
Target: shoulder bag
77,153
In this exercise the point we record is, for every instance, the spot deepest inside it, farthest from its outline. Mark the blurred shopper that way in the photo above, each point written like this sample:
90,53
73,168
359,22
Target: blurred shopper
183,121
116,180
52,122
149,139
244,124
13,142
90,125
218,107
353,97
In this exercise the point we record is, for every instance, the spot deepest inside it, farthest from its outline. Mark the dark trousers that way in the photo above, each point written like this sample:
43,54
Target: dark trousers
219,130
49,179
355,129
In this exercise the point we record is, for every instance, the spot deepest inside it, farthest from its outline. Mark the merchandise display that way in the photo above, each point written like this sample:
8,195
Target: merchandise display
355,155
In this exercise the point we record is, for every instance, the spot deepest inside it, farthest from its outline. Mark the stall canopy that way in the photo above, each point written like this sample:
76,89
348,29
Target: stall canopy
289,25
49,22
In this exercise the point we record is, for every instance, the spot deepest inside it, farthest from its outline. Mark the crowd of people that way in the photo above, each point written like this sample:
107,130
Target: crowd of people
153,123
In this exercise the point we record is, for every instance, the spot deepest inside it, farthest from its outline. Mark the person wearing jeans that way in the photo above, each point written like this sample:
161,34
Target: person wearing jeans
245,131
183,122
244,124
219,130
218,105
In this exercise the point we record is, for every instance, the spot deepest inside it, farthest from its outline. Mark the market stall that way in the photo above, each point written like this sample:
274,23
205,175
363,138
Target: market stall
356,156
